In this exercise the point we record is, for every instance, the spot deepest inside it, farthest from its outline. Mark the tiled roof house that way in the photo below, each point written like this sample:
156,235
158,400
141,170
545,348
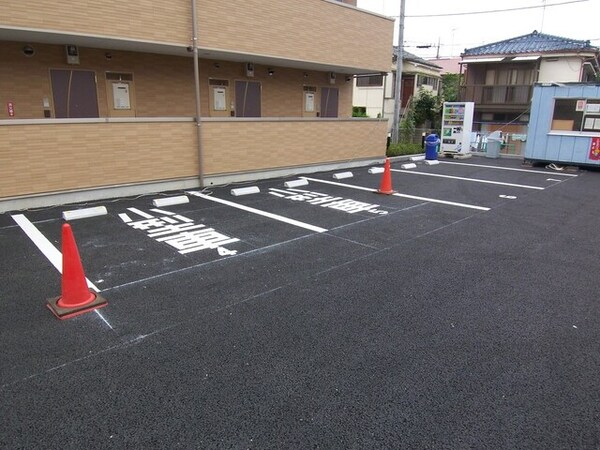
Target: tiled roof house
530,43
501,75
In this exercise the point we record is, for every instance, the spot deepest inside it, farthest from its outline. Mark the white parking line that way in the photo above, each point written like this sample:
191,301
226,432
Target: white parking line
477,180
413,197
259,212
509,168
44,245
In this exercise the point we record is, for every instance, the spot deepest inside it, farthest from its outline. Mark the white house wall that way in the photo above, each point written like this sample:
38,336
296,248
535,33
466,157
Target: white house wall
562,70
373,97
369,97
388,85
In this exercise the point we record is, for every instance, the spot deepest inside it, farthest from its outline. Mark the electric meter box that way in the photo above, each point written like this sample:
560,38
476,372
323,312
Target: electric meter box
457,123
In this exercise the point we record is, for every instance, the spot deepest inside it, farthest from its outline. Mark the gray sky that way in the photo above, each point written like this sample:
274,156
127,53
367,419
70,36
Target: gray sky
574,20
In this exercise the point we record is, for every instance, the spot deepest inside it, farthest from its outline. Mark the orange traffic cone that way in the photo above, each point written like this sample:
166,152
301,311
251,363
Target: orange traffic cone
386,180
76,297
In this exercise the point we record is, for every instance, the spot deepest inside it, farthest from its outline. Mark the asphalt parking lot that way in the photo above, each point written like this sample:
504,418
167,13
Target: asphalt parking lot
462,312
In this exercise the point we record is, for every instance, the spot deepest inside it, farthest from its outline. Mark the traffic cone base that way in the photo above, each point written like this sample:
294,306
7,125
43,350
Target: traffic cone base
390,192
66,313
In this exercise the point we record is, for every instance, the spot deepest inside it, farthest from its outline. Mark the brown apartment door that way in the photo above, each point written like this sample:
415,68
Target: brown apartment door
74,93
329,102
247,99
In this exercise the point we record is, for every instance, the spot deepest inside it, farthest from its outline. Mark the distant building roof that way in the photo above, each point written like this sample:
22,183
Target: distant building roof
530,43
407,56
448,65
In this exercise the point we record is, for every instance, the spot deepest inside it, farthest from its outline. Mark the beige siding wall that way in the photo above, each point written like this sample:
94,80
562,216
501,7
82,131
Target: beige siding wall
282,93
313,30
48,158
163,85
308,30
42,158
136,19
239,146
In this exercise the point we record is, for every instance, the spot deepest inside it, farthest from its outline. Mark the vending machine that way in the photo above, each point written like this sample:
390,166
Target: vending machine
457,123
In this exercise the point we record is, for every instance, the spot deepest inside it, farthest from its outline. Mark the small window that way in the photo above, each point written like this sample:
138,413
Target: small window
576,114
429,81
565,116
116,76
370,81
215,82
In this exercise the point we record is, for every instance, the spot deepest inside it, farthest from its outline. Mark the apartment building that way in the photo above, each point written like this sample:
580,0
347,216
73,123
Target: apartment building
104,99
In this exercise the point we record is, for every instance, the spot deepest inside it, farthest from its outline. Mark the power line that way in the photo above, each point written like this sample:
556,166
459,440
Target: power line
493,10
426,45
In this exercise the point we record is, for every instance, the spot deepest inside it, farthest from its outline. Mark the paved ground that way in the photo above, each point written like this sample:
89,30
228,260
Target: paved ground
326,323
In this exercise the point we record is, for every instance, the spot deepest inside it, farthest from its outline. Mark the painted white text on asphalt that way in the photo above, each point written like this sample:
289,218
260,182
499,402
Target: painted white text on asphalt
179,232
316,198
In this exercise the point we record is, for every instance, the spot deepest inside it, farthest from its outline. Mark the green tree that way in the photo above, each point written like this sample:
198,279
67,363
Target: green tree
450,87
427,109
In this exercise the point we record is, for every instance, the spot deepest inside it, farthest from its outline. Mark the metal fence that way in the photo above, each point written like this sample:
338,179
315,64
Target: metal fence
513,138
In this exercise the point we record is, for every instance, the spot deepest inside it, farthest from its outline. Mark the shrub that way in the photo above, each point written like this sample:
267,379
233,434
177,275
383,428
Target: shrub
403,149
359,111
407,126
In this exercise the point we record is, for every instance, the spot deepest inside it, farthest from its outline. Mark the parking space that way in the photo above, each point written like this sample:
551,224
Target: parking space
294,289
137,241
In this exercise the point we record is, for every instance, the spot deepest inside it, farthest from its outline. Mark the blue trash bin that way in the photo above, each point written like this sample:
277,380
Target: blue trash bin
431,145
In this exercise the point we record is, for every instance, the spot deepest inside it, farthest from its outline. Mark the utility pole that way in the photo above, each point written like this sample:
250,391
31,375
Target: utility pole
398,96
197,85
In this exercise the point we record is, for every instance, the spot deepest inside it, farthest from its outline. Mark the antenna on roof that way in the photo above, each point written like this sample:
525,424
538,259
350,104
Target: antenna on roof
543,15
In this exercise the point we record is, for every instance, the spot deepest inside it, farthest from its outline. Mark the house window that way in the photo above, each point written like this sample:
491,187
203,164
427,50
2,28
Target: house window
429,81
576,114
371,81
509,76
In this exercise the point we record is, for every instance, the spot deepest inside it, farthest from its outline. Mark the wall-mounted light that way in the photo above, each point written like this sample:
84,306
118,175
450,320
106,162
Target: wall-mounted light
108,56
250,69
28,51
217,65
72,54
305,74
270,72
348,78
